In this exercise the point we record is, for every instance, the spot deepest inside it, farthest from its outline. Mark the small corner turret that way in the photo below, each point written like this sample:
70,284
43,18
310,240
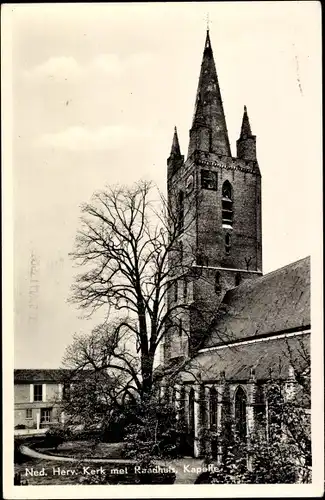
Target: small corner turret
246,144
176,159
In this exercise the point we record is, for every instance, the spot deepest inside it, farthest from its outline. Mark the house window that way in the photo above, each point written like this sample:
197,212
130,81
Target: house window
213,407
227,244
209,180
38,392
66,392
240,413
180,327
45,415
181,211
29,413
237,279
217,285
227,204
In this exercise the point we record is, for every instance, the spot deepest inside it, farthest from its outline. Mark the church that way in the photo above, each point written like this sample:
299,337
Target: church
235,329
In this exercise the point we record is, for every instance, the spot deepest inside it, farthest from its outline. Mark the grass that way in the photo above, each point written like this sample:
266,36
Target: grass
82,449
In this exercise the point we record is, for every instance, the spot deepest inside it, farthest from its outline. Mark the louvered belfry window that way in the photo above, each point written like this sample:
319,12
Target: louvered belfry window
227,204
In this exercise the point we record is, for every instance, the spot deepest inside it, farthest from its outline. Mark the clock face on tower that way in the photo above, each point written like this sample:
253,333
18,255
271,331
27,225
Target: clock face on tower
189,184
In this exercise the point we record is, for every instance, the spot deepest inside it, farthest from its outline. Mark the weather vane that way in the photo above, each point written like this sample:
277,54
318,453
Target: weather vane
208,21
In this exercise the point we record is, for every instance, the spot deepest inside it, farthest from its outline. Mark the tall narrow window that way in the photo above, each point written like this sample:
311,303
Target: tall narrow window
185,289
38,392
66,392
227,244
227,204
181,211
29,413
173,401
191,410
181,252
240,413
175,291
217,285
275,404
237,279
213,407
180,327
259,410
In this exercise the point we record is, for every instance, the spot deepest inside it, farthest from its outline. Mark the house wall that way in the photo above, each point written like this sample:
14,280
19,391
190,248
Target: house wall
22,401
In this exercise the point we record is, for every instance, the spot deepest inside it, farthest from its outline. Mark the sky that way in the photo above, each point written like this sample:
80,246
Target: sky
95,92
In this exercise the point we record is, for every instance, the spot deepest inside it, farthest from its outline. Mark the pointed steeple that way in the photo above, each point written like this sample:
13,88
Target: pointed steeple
246,144
175,150
209,129
245,127
176,159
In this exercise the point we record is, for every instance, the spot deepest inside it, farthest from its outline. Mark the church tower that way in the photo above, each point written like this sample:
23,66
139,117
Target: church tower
219,198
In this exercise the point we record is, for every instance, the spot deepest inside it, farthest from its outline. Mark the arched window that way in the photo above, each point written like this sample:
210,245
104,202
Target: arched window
181,251
259,410
185,288
181,211
213,407
191,409
201,259
175,291
237,279
227,204
240,413
180,327
227,244
217,285
275,403
173,399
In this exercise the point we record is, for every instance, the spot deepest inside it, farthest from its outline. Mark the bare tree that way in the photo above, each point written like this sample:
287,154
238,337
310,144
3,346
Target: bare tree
129,249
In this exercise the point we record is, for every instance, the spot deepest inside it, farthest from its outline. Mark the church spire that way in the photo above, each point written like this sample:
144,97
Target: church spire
209,129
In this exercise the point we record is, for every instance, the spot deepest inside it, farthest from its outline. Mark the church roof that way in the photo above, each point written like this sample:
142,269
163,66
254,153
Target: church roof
269,358
276,302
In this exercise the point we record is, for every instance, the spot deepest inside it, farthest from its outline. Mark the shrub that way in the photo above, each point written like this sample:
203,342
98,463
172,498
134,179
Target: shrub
155,432
19,458
54,437
20,426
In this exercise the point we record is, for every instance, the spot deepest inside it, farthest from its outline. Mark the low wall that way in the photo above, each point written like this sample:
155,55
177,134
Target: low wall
30,432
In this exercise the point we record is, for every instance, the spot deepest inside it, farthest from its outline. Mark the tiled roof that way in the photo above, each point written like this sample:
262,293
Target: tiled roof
47,375
275,302
269,358
51,375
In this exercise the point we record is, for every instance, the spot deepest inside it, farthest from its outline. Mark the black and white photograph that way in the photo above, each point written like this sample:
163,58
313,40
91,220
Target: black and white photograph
162,249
